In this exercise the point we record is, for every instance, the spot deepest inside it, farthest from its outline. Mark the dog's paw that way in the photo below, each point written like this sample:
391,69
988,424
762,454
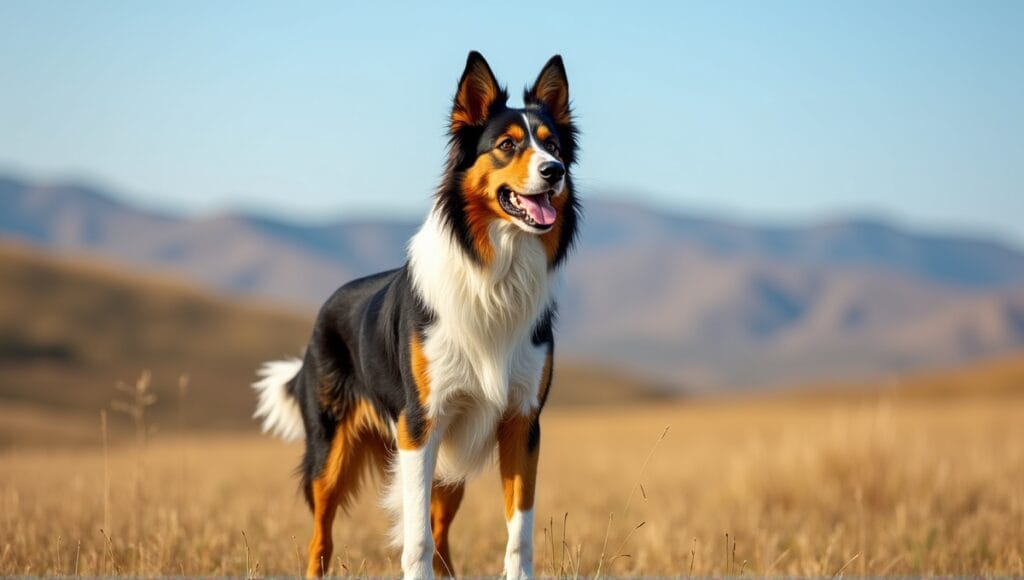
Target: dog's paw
418,560
517,569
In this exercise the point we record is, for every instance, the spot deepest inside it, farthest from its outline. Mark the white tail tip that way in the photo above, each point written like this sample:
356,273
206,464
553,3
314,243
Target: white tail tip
280,411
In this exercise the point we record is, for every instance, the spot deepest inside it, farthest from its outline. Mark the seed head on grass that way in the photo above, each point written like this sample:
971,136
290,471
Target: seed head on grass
137,398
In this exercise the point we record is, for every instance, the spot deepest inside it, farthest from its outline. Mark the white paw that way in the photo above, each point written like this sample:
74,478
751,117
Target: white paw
419,571
417,561
517,568
519,575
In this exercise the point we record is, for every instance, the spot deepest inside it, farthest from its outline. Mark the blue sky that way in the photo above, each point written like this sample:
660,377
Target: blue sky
777,111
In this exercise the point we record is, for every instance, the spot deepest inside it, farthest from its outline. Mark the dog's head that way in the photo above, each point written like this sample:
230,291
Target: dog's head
511,164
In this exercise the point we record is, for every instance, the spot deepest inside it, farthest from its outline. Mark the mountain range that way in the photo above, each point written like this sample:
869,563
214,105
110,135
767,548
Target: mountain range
695,301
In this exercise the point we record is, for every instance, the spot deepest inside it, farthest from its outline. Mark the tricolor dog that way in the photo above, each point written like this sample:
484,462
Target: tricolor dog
425,370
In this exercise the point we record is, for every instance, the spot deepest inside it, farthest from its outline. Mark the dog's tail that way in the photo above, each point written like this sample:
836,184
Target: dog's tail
277,404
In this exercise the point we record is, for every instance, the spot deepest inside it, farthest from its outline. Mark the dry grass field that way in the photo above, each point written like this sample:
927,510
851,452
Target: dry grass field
884,486
916,475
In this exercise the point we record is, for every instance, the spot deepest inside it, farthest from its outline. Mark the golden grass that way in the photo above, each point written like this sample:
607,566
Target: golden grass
811,488
925,477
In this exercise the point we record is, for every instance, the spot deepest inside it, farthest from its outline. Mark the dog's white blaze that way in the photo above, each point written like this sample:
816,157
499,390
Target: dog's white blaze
280,411
416,469
519,550
536,183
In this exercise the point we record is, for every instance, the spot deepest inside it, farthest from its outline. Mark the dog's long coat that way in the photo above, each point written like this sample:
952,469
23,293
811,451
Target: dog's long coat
424,370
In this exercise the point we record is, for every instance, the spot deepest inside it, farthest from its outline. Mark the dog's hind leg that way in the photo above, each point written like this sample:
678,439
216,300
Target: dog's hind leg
356,445
325,506
444,502
327,491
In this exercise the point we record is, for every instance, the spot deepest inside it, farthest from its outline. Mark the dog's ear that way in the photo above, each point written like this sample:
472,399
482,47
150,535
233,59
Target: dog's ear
478,94
551,89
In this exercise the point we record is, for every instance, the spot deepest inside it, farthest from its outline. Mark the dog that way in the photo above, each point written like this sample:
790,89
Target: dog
422,371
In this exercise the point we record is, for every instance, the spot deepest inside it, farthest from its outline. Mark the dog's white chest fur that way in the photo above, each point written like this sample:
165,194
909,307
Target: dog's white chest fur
480,357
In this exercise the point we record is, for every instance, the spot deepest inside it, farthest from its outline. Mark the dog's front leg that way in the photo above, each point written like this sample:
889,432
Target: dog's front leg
518,450
417,456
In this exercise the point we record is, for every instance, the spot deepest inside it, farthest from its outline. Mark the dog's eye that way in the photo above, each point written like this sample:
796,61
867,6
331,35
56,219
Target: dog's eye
507,145
552,147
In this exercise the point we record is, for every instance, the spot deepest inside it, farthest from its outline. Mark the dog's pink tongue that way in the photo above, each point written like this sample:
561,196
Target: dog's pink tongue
539,208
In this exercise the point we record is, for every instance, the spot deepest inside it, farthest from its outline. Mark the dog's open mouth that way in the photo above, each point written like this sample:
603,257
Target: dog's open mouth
533,210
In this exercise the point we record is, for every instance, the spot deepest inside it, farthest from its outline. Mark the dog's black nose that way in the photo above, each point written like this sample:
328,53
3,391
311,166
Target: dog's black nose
551,171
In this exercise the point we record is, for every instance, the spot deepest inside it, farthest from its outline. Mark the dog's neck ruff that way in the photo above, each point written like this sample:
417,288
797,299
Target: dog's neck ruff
486,312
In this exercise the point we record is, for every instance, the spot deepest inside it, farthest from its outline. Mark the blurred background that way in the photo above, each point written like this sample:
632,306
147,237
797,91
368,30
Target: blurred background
800,218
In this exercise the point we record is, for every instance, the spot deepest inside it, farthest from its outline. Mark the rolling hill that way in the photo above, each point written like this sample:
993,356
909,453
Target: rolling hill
71,329
697,302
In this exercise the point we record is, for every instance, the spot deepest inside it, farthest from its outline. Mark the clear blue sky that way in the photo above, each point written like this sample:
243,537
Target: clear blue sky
759,110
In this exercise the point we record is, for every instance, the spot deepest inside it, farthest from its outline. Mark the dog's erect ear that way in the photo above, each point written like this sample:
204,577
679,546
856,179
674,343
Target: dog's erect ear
478,93
551,89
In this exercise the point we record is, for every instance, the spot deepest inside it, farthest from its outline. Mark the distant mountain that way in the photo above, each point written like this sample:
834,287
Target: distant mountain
699,302
950,260
234,253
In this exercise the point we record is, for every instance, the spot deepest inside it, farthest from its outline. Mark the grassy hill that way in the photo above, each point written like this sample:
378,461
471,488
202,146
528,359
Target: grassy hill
996,378
71,329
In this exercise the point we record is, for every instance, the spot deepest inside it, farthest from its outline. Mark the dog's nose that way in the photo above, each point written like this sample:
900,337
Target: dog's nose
551,171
